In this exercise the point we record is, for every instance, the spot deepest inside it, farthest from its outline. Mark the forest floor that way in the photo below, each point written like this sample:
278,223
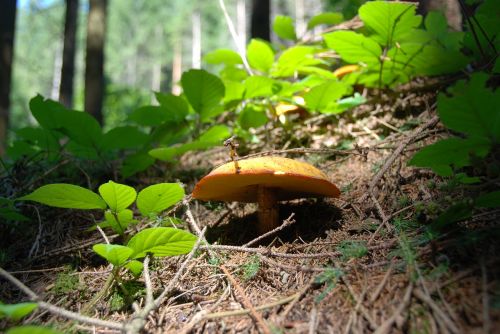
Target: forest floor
360,263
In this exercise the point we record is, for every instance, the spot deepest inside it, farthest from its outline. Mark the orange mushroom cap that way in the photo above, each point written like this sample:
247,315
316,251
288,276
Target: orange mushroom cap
288,178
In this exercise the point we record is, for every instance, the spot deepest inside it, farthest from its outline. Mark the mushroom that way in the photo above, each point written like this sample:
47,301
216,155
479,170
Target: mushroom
265,180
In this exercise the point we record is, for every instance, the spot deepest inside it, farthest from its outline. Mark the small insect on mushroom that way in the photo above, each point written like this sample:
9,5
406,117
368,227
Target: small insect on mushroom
266,181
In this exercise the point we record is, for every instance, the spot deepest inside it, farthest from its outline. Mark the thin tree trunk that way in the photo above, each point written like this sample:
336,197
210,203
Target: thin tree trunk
260,22
177,68
241,19
69,51
196,48
94,60
56,73
7,29
300,28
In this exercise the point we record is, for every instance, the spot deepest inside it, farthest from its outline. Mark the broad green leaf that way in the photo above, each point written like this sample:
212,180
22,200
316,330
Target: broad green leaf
175,107
233,73
124,137
488,200
234,91
117,196
158,197
212,137
284,28
117,255
125,217
77,125
62,195
161,241
252,117
149,116
392,22
20,148
258,86
223,56
449,152
293,59
43,138
325,18
472,108
260,55
135,267
353,47
136,163
31,329
437,27
16,312
203,90
321,96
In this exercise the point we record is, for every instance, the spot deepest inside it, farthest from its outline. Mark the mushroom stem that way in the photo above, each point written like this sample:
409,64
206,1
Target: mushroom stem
268,209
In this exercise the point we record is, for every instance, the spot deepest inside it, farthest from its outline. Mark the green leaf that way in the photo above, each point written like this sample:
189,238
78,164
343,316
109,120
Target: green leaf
31,329
117,196
117,255
449,152
212,137
293,59
43,138
353,47
325,18
16,312
223,56
125,217
136,163
158,197
135,267
284,28
176,107
472,108
488,200
149,116
62,195
234,91
252,117
319,97
260,55
203,90
258,86
161,241
390,21
124,137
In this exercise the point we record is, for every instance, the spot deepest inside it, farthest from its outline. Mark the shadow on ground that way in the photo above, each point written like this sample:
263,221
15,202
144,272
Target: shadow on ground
312,219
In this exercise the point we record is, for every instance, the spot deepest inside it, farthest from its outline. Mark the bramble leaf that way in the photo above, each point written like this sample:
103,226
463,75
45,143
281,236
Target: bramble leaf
223,56
117,196
284,28
325,18
203,90
117,255
69,196
17,311
260,55
161,241
353,47
158,197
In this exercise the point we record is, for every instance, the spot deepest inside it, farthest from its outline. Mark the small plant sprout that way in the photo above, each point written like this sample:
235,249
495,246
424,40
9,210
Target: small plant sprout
265,180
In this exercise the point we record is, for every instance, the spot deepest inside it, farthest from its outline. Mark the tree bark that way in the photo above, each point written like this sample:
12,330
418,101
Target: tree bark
69,51
7,29
177,67
196,39
260,21
94,60
450,9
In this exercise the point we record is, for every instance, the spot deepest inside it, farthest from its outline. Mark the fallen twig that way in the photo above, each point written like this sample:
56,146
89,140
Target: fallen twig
287,222
246,302
57,310
386,325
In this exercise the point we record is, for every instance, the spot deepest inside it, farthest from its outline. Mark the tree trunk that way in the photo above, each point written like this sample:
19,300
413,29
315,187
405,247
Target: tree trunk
94,60
241,19
177,67
7,29
260,22
196,46
69,51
